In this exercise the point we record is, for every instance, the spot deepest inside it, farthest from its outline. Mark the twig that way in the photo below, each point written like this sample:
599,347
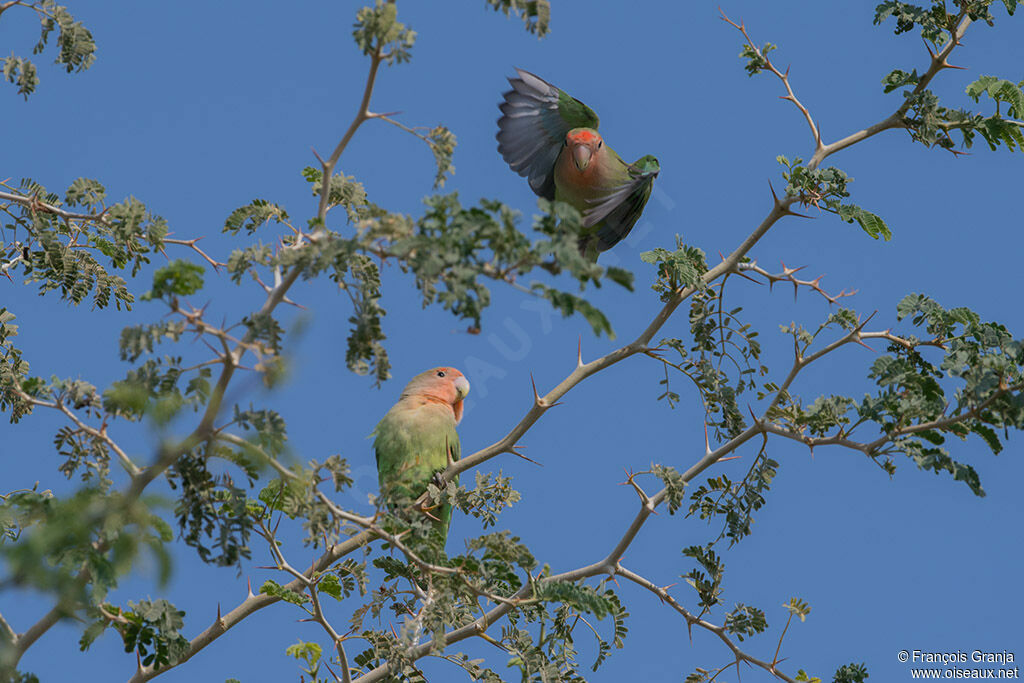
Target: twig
6,632
361,116
254,603
217,265
639,345
782,76
7,5
33,203
788,275
939,61
692,620
253,448
129,466
486,269
339,644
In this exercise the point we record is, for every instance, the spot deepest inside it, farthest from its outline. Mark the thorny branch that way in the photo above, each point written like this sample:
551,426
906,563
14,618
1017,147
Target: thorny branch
6,632
127,463
192,244
369,524
33,203
789,275
37,7
692,620
361,116
317,612
790,96
939,61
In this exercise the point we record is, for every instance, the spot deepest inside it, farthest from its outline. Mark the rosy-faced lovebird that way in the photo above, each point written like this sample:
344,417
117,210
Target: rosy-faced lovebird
417,439
551,138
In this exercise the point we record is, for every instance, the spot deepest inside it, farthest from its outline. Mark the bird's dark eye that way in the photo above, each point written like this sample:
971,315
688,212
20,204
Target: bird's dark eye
440,373
599,143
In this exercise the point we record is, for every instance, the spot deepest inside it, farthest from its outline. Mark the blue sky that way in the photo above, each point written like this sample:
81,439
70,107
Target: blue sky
197,108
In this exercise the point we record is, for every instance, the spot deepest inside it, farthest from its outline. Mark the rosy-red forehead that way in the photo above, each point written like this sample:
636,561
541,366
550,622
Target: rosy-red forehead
583,136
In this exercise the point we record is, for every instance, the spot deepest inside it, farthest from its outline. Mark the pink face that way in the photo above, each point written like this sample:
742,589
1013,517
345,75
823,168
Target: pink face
583,143
444,385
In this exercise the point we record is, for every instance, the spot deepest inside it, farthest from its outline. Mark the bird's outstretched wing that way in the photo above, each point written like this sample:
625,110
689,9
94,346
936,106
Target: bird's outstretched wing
531,131
616,213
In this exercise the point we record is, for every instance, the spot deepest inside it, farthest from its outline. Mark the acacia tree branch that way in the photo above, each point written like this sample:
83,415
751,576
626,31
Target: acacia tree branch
608,566
253,603
35,6
230,362
361,116
801,361
127,463
813,442
130,467
7,5
939,61
369,524
946,421
35,631
339,642
692,620
789,275
10,264
6,632
401,126
871,448
281,470
486,269
310,583
192,244
542,404
790,96
34,204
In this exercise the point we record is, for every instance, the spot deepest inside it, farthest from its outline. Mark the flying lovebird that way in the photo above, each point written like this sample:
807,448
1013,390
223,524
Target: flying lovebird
417,439
551,139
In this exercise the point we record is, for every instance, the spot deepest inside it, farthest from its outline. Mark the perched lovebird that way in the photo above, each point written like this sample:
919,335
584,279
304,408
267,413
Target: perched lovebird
551,138
417,438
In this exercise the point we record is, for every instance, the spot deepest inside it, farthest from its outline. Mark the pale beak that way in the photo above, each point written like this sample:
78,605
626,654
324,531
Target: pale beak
581,156
461,388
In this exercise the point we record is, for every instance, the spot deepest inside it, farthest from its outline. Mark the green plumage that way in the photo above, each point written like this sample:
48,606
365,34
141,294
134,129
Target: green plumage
412,443
610,195
574,113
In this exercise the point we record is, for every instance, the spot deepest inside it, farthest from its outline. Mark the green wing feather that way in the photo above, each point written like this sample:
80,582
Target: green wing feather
412,443
531,131
612,216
